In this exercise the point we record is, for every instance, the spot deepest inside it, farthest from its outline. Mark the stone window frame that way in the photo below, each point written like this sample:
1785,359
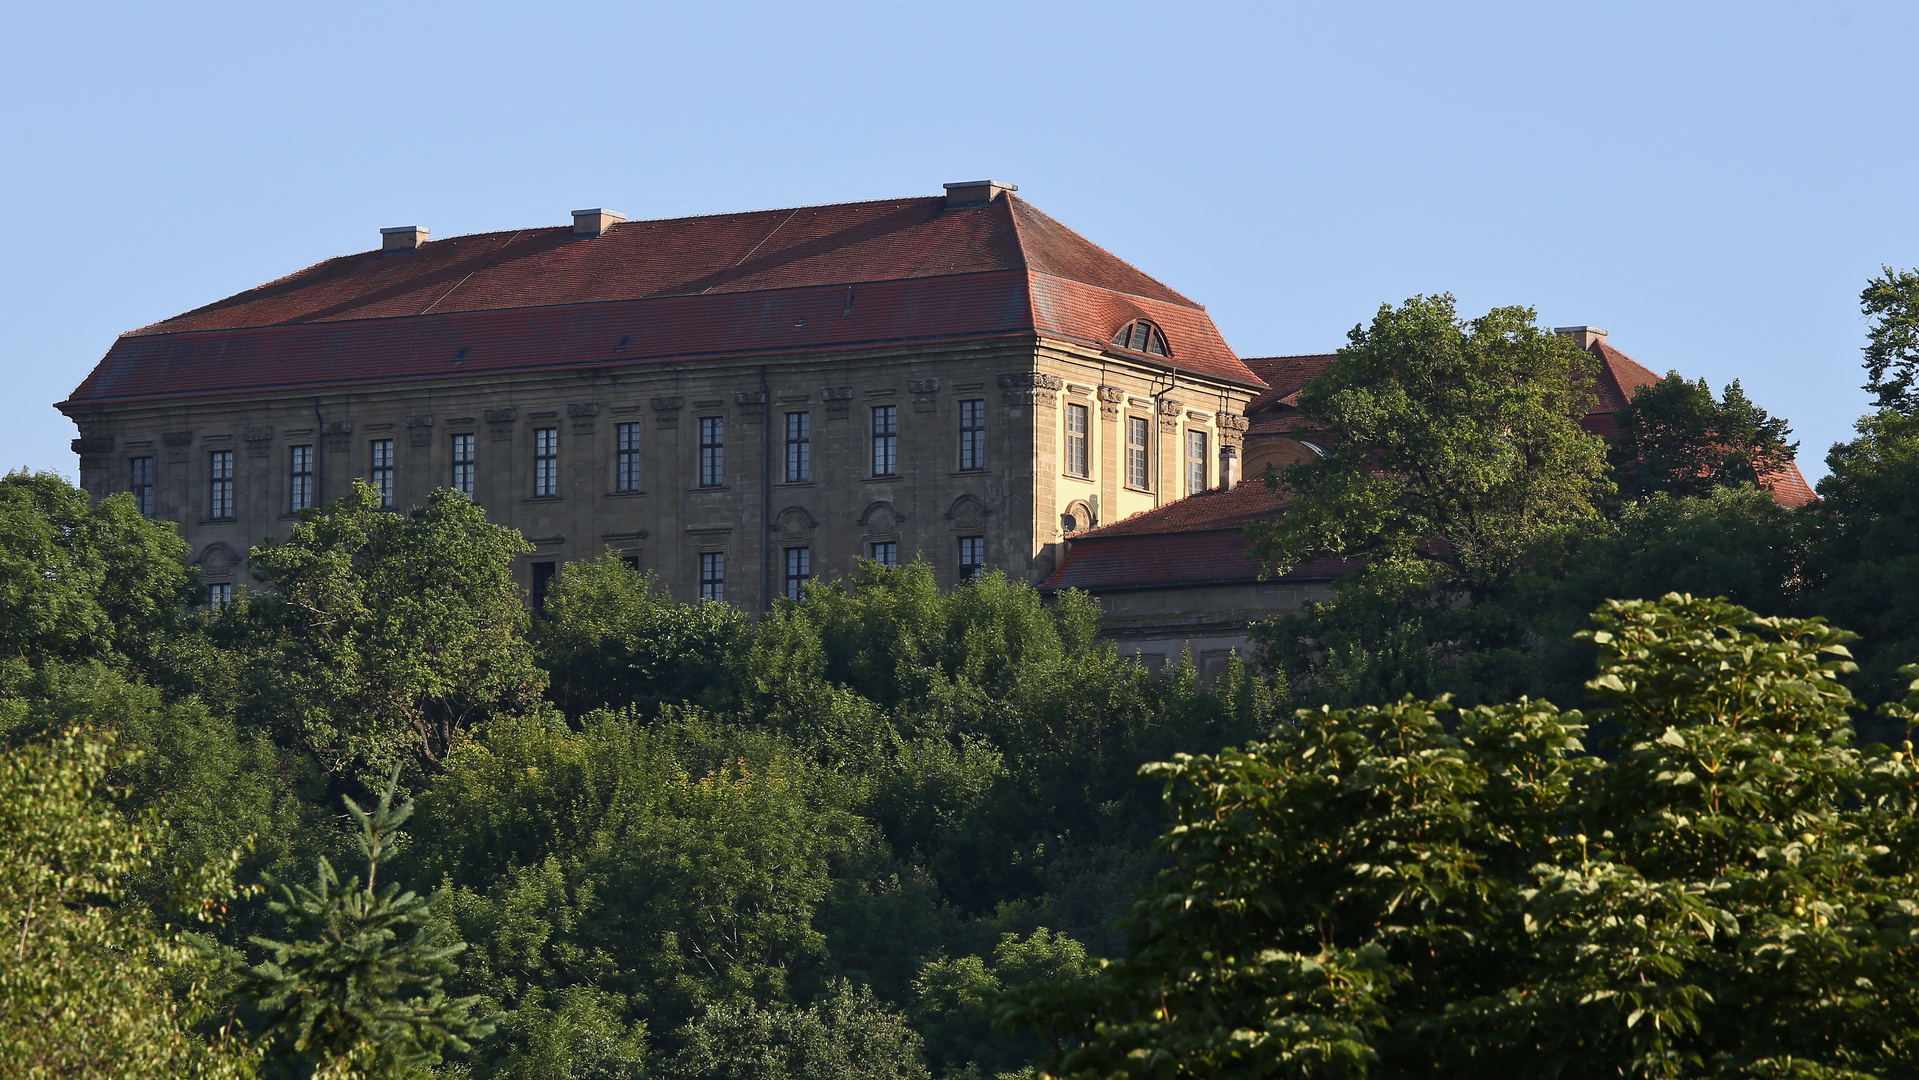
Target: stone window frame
798,562
546,463
1077,445
380,469
626,457
1140,478
712,460
972,433
712,576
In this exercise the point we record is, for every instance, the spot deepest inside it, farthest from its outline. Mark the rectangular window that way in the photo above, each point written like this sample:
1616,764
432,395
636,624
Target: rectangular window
1076,462
1136,453
626,465
300,478
799,447
886,440
799,570
972,435
712,451
972,557
463,465
713,575
140,482
1195,462
546,462
885,552
220,595
220,485
542,584
380,471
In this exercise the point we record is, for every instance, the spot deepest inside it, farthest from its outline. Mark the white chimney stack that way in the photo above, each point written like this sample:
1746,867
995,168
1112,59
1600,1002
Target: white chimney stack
1583,336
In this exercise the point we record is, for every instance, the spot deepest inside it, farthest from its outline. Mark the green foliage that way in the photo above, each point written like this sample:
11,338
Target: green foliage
1892,345
90,984
81,582
1453,441
1395,627
952,999
674,866
845,1035
1414,890
1866,551
386,635
353,989
614,637
1674,438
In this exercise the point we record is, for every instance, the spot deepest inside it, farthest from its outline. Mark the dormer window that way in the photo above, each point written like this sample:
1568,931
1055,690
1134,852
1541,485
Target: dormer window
1141,336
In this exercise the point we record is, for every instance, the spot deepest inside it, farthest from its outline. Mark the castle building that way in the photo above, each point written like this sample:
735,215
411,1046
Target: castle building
738,402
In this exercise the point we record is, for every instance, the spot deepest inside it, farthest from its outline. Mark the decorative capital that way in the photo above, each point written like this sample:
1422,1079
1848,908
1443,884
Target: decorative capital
836,393
420,421
1111,395
177,438
589,408
93,444
1028,387
262,433
749,397
666,404
922,386
333,427
502,416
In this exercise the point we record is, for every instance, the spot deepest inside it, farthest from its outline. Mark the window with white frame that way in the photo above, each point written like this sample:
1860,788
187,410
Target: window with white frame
712,451
886,440
220,594
546,462
884,552
1076,457
380,469
1195,462
1136,462
626,462
463,465
972,448
799,570
799,447
972,557
713,575
140,483
300,477
220,485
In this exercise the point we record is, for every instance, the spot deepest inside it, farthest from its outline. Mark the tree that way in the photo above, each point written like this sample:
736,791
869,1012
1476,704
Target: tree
846,1035
1673,437
614,637
1865,555
1892,345
93,983
81,582
1419,890
387,635
1456,443
354,988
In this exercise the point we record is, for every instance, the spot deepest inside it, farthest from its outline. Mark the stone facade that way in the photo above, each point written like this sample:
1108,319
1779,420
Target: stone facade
1016,502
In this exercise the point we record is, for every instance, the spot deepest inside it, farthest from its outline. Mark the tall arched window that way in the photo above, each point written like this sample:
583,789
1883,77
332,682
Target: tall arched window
1141,335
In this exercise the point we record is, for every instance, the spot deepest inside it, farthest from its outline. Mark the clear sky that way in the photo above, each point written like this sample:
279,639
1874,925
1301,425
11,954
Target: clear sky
1713,183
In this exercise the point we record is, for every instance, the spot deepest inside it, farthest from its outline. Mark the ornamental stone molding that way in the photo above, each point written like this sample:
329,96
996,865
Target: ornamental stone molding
1029,388
261,433
1232,428
968,513
749,397
93,444
881,520
794,524
922,386
587,408
502,416
422,420
177,438
1110,399
1169,411
667,404
836,393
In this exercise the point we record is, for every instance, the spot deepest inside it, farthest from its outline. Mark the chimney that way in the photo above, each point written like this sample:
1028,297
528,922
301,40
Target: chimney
588,224
975,192
1583,336
1228,468
402,238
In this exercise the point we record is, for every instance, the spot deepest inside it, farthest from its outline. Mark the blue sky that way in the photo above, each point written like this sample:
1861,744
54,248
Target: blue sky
1713,183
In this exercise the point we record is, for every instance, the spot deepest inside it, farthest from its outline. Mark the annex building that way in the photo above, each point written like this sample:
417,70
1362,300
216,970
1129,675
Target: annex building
738,402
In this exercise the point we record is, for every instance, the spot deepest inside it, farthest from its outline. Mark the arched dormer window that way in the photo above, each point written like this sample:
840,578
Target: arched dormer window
1141,336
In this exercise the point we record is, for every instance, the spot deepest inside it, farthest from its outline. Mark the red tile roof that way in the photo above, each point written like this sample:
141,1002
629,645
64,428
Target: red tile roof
1199,540
846,276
